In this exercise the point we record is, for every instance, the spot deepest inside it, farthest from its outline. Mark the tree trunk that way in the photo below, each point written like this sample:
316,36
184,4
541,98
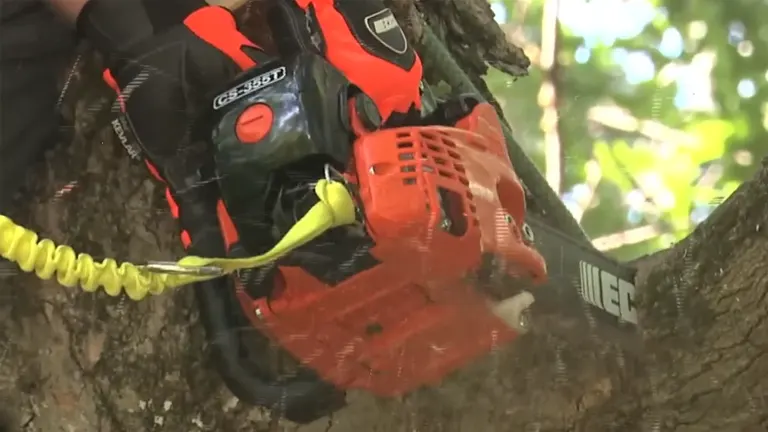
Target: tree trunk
72,361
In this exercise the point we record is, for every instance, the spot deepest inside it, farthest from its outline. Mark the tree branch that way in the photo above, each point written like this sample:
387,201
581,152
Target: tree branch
549,97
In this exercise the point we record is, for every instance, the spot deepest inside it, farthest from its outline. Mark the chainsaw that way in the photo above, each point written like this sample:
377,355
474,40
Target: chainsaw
362,255
399,299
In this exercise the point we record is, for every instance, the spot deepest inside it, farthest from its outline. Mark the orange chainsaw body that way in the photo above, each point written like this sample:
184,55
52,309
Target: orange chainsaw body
436,199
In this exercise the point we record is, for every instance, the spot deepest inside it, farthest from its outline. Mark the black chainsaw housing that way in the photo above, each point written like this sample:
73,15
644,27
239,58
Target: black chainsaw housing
309,129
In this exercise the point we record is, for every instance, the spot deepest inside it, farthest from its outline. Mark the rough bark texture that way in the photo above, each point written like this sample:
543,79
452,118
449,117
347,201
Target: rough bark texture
72,361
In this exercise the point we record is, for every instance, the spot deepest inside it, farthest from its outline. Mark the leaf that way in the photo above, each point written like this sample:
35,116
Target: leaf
635,159
710,138
611,170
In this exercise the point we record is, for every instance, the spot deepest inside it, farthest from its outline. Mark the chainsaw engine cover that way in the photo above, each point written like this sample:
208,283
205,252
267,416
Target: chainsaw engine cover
401,311
273,117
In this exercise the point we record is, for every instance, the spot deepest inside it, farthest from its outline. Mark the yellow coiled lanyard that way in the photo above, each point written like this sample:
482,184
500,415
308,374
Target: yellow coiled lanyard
335,208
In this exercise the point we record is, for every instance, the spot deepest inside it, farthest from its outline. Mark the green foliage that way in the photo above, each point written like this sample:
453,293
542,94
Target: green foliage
665,96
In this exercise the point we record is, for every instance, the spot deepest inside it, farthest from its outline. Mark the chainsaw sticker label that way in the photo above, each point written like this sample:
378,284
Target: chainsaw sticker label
384,27
252,85
608,292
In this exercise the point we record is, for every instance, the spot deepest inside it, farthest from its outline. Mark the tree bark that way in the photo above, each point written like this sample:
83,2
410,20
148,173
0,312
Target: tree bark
73,361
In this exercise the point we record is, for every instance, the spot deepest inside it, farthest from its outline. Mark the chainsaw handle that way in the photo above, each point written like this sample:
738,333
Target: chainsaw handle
298,400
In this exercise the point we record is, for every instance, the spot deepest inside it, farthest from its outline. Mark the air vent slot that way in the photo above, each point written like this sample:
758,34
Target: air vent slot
452,209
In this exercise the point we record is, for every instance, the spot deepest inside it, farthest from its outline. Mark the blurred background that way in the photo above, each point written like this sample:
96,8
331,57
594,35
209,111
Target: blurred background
644,115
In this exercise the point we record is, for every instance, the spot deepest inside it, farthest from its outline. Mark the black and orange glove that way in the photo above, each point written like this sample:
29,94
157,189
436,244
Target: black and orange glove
364,41
166,59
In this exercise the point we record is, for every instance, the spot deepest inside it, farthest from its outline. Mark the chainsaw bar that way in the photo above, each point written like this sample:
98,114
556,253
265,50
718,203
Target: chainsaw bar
587,295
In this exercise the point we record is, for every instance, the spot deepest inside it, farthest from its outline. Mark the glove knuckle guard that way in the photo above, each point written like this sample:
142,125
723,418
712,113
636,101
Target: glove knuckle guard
362,39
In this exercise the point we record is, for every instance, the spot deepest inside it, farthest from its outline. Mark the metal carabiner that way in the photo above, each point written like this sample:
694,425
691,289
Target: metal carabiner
331,172
170,267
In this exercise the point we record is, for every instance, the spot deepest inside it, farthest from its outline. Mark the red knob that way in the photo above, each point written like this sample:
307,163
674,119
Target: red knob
254,123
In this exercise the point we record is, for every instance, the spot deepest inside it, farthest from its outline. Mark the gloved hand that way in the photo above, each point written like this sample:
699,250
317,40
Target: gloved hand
166,59
364,41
